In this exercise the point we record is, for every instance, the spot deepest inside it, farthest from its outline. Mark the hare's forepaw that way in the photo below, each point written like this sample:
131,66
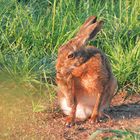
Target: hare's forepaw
69,122
101,117
94,118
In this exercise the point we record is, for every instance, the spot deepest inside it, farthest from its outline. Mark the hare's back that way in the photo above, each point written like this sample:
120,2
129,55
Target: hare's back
94,73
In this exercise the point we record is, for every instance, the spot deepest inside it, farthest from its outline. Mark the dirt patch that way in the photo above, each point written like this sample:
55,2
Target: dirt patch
50,125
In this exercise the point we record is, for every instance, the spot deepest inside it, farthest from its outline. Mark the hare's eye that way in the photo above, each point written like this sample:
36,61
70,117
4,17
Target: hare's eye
71,56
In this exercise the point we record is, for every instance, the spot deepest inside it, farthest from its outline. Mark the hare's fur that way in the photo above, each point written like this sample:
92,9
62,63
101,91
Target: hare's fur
88,84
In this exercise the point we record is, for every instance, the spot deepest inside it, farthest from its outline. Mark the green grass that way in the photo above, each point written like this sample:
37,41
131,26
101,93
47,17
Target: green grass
31,33
117,135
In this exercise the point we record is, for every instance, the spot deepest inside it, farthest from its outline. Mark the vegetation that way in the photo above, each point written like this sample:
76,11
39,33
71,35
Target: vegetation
119,135
31,33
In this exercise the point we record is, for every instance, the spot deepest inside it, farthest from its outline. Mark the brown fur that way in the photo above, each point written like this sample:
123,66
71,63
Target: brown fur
83,75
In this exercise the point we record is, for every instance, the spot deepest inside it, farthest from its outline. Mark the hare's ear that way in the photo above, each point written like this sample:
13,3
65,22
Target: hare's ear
89,33
89,21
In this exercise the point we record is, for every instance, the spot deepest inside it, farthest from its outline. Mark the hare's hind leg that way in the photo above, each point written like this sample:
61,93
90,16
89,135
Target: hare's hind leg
113,89
103,100
110,91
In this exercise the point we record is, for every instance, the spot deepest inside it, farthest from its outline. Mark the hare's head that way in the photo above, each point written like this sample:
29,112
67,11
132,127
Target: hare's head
86,33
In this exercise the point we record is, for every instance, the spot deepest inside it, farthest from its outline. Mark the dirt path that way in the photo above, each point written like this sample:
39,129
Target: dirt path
50,126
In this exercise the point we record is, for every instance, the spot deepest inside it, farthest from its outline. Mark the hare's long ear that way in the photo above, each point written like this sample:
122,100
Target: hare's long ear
89,33
89,21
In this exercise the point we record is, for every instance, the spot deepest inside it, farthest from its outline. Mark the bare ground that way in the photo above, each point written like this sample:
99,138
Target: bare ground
50,125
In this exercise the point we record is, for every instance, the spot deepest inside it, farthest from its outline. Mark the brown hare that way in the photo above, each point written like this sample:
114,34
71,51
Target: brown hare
84,77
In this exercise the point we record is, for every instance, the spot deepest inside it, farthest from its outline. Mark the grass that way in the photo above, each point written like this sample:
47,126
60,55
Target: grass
118,135
31,33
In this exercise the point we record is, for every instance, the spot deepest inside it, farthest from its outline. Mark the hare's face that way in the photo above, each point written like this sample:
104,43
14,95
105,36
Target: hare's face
72,61
67,56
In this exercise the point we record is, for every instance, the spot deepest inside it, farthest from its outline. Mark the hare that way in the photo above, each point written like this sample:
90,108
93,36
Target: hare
84,77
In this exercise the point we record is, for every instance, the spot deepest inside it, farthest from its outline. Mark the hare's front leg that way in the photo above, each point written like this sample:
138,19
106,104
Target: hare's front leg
96,110
71,101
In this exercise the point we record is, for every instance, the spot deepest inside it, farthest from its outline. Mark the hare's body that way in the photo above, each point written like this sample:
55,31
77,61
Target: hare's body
84,77
92,76
86,102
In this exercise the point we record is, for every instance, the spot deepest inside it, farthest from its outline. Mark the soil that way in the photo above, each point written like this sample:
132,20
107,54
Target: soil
50,125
